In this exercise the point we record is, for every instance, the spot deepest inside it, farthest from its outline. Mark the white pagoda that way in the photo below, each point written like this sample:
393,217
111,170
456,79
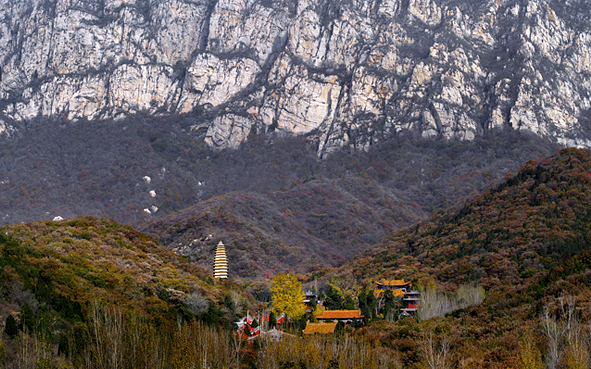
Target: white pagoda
220,267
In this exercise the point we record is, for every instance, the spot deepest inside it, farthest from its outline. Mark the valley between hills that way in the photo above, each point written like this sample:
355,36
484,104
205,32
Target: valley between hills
74,284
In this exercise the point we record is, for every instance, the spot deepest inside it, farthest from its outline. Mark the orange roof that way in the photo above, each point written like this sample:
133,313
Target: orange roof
321,328
340,314
394,282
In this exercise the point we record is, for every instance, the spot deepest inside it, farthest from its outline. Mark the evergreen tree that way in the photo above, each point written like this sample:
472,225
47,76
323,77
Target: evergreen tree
362,300
356,323
339,329
389,303
301,323
371,304
367,305
27,318
272,320
63,346
349,304
11,328
333,299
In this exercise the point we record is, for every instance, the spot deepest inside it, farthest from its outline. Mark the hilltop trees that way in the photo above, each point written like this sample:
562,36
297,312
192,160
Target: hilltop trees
288,296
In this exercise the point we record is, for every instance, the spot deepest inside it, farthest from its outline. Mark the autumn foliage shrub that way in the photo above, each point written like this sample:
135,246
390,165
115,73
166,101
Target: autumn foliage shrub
324,352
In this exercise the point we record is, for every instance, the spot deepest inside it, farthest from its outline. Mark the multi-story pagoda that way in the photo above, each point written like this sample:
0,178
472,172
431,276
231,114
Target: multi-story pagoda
411,300
220,268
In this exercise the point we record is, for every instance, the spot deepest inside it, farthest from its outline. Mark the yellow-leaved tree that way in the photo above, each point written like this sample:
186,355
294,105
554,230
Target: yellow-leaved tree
288,296
529,355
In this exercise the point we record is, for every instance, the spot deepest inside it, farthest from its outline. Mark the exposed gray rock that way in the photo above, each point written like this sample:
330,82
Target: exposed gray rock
228,131
345,73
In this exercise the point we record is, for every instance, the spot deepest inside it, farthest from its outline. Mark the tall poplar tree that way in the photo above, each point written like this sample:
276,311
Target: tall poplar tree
288,296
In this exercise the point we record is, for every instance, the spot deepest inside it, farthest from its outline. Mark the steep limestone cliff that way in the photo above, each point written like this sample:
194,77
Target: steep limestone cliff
344,73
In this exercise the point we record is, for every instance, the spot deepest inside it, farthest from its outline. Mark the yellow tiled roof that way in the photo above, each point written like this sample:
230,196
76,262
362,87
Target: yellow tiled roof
340,314
395,293
321,328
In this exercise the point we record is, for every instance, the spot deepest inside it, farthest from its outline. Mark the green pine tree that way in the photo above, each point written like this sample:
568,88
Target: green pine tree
11,328
27,318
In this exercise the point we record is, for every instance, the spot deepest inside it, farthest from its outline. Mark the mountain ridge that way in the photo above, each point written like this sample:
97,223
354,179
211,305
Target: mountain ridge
347,74
342,211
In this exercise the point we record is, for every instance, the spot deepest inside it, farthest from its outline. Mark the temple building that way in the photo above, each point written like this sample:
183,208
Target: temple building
335,316
310,301
397,286
220,268
319,328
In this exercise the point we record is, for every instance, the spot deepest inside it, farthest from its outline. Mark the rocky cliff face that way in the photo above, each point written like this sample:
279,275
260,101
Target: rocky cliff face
345,73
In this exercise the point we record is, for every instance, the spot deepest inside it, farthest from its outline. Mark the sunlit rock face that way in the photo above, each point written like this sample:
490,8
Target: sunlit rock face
344,73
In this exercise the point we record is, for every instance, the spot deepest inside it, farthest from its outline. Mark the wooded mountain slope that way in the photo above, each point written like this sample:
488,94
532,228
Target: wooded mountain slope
536,218
290,212
63,267
526,241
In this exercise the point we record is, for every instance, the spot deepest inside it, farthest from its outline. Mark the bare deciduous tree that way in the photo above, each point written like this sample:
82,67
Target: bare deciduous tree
437,355
553,332
197,303
108,330
433,303
567,338
238,302
577,347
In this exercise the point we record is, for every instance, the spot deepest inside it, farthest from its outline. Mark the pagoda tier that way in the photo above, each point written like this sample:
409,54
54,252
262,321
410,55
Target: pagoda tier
411,299
220,266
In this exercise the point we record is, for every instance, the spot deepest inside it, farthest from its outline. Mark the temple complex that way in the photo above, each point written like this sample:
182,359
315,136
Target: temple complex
310,301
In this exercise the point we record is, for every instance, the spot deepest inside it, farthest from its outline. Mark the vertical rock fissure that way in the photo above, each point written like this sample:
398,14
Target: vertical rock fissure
437,118
343,91
204,39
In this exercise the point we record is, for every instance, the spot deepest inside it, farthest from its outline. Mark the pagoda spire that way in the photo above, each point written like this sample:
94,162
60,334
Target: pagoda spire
220,267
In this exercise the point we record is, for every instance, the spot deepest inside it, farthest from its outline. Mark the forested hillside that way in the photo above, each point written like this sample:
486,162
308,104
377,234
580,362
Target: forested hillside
94,293
75,284
319,213
536,218
526,241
